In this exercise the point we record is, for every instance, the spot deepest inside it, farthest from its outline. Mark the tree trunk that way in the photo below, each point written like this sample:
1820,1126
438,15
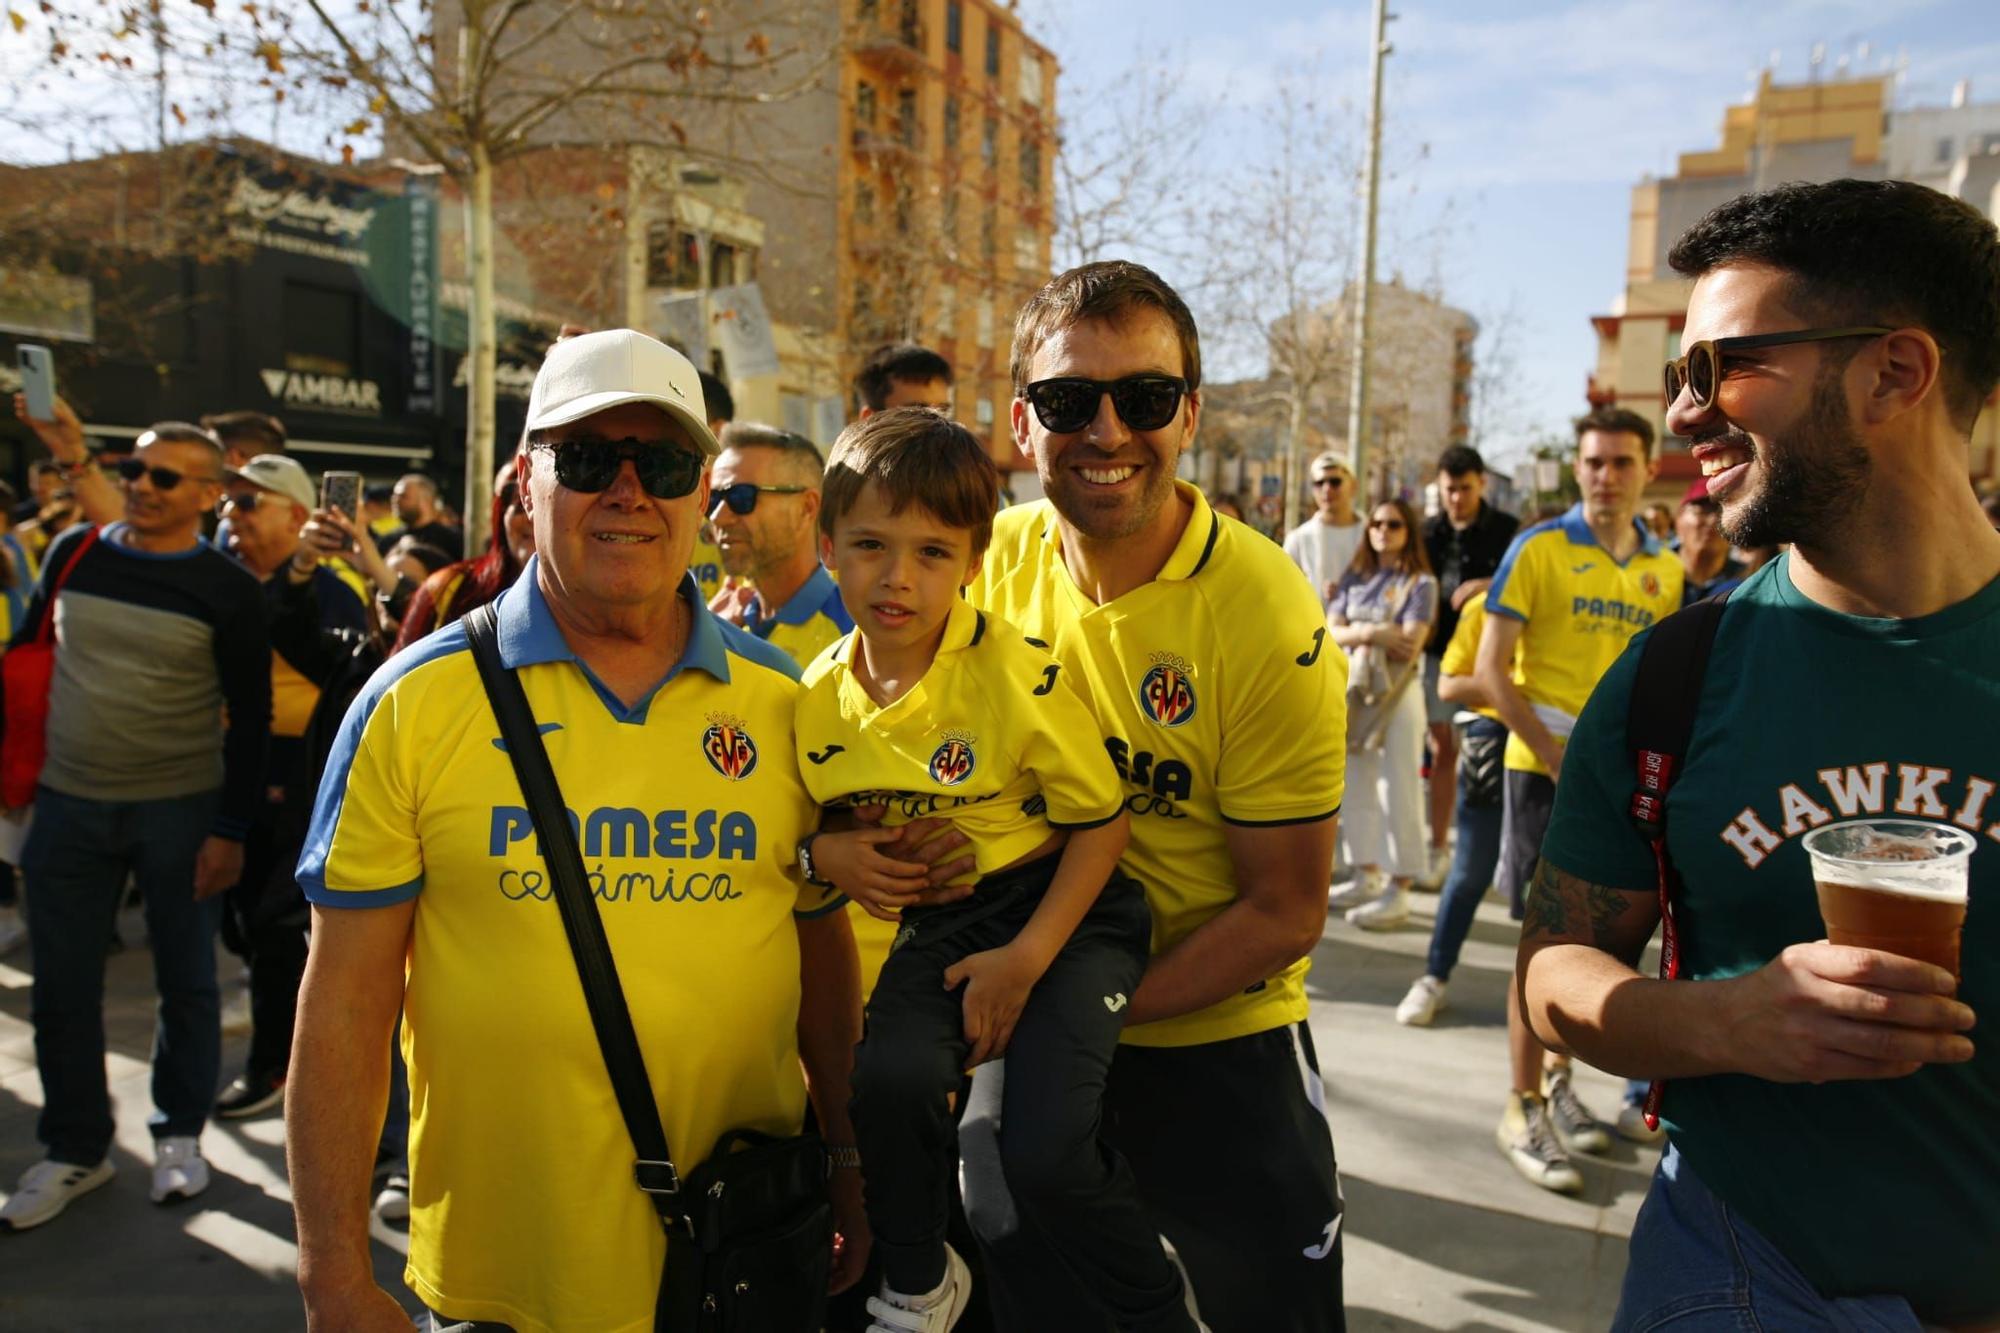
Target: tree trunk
1295,431
480,352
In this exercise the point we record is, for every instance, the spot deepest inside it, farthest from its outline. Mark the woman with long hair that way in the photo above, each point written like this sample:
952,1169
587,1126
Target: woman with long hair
459,588
1380,615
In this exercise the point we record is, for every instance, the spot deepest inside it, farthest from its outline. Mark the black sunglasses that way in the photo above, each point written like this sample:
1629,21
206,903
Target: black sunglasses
1699,369
1387,524
1329,481
588,464
742,497
164,478
1143,402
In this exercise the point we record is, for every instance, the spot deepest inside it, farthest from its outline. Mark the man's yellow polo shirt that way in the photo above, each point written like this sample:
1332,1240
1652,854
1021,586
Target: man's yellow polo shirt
1221,702
803,627
991,738
1578,608
1461,651
688,808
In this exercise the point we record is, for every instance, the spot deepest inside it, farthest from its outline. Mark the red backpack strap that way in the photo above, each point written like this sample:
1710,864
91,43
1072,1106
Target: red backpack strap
1659,723
46,631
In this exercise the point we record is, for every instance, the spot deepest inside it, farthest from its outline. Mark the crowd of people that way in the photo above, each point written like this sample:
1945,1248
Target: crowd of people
942,873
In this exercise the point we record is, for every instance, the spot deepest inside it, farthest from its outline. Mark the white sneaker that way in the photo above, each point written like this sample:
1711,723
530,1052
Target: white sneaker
179,1170
46,1189
936,1312
1364,886
1632,1125
1579,1130
1525,1136
236,1018
13,930
1440,865
1420,1007
393,1203
1386,912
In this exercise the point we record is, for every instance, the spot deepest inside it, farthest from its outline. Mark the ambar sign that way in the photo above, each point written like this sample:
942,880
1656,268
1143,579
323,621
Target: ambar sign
326,393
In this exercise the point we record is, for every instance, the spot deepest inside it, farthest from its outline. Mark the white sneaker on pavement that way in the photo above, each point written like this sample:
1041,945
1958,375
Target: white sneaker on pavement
1420,1007
13,930
1525,1136
393,1203
934,1312
1579,1130
1365,885
1440,865
1632,1125
46,1189
179,1170
1385,912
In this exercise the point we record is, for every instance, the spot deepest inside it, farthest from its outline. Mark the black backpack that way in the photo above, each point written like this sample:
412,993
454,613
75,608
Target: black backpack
1666,694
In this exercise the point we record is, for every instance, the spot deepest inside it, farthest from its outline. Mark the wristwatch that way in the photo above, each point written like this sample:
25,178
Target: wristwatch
806,867
841,1158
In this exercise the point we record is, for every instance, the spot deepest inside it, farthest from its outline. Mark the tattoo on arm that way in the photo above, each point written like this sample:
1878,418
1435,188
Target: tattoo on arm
1563,908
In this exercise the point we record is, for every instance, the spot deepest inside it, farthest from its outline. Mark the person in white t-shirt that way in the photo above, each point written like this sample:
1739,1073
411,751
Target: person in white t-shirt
1324,544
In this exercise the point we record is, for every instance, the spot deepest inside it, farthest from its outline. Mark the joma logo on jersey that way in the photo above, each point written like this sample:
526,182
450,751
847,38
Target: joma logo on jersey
728,747
952,761
1167,691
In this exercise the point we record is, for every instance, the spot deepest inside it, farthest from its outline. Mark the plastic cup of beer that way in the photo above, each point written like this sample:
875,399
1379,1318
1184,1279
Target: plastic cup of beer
1897,885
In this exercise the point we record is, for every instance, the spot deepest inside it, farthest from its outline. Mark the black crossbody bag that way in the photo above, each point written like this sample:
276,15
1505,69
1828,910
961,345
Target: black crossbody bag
749,1231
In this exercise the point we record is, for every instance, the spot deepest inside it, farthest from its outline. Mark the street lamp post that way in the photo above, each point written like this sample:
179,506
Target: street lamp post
1357,398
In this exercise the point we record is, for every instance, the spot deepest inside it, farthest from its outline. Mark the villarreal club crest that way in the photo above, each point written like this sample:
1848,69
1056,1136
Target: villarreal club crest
728,747
1166,692
952,761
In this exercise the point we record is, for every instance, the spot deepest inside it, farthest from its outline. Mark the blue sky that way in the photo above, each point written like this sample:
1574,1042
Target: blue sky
1538,117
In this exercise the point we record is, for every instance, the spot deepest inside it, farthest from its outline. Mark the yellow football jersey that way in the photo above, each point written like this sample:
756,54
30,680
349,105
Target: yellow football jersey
991,738
1461,651
1578,608
804,626
688,808
1221,702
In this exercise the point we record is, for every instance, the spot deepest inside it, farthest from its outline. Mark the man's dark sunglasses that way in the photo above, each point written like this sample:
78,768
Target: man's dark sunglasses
742,497
245,503
1329,481
1699,369
164,478
1143,402
588,464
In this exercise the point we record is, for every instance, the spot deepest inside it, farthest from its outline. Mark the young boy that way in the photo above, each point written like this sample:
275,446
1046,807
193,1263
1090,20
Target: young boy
932,709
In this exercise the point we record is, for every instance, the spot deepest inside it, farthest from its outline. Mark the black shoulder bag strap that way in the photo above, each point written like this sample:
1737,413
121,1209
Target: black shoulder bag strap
1666,694
654,1169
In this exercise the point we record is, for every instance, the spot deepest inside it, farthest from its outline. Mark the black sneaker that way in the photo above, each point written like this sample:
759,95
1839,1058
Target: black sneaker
248,1095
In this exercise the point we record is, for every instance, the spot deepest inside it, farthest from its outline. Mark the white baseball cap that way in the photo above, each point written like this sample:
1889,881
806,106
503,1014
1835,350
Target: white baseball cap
280,474
595,371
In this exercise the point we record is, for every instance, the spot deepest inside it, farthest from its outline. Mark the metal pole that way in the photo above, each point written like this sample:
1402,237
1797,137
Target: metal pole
1357,398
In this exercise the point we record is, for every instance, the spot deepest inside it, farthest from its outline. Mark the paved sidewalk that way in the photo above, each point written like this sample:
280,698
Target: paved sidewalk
1441,1234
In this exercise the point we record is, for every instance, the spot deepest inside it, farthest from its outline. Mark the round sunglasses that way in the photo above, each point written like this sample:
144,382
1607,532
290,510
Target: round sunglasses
1068,403
163,478
742,497
589,464
1699,369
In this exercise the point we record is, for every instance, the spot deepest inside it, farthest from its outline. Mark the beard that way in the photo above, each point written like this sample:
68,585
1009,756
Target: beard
1814,475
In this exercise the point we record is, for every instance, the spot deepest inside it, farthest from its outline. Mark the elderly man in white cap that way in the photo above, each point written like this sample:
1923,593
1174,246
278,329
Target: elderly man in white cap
670,736
267,500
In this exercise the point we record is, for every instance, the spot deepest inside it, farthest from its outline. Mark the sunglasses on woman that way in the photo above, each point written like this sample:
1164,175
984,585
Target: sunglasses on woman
163,478
742,497
1386,524
1699,369
589,464
1068,403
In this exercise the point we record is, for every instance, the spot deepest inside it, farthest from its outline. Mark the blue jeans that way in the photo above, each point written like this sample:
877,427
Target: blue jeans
1472,866
1696,1266
78,857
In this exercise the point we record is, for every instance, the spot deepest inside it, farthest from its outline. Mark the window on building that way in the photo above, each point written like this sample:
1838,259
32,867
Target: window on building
992,51
673,257
989,143
989,235
902,212
948,219
864,201
951,121
1031,167
1027,252
1031,79
867,10
722,264
864,106
954,25
982,412
906,116
947,311
985,328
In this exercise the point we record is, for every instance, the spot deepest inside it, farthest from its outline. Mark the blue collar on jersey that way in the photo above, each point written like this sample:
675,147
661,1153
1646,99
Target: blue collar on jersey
528,632
818,593
1577,528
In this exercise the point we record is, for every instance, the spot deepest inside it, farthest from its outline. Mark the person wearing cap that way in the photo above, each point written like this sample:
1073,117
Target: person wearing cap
267,500
1324,545
1711,567
158,714
670,735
